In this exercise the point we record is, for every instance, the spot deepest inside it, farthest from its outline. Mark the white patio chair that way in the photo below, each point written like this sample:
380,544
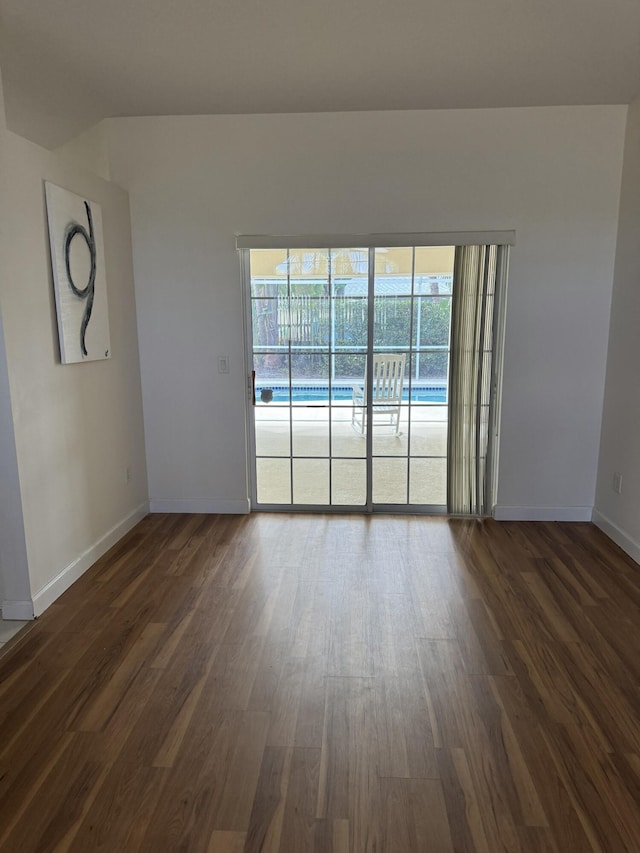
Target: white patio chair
388,378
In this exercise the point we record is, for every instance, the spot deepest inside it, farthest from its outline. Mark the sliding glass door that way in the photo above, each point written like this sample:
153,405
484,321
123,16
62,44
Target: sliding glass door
412,316
309,344
349,354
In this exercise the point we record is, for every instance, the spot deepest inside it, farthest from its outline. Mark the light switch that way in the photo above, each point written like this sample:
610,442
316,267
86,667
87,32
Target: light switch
223,364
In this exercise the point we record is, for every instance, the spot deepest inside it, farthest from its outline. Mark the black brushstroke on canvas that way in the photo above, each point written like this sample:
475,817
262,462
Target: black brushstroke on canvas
73,229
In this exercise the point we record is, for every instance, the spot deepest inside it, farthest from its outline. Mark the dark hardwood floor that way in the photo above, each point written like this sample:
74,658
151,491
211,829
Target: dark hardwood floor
330,683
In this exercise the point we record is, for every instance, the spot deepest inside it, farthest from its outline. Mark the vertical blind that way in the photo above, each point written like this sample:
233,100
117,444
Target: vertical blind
478,282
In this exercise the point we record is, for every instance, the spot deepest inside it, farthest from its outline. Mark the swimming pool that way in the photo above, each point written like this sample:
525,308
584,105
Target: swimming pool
342,393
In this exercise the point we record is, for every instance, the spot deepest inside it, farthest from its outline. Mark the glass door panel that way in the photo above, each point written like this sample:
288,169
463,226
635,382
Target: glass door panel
310,319
343,435
348,482
310,481
392,324
428,481
273,480
310,432
390,484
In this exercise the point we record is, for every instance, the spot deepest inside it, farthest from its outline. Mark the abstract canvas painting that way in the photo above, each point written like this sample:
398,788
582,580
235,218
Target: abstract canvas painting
79,279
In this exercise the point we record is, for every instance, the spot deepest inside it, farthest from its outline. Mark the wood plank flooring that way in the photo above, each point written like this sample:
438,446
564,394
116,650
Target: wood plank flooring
330,683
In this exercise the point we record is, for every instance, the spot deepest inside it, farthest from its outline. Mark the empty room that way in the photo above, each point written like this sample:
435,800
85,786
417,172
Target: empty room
320,427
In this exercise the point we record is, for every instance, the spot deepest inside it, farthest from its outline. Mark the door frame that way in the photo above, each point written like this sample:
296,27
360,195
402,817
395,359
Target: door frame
244,243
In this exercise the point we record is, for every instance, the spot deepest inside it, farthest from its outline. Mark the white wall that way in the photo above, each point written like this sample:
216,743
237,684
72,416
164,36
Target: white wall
88,151
15,590
77,427
553,174
619,514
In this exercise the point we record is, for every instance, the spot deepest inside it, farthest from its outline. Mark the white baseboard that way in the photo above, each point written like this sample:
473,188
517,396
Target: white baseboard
542,513
63,580
21,610
628,545
209,506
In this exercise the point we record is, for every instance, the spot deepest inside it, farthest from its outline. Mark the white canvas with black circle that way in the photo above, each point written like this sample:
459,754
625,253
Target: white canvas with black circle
79,279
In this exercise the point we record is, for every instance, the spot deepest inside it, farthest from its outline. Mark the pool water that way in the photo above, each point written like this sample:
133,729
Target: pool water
320,393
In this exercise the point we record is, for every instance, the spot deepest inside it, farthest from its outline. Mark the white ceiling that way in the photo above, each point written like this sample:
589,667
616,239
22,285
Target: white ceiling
69,63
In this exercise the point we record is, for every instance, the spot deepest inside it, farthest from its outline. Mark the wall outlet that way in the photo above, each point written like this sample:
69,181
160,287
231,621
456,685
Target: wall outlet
617,483
127,474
